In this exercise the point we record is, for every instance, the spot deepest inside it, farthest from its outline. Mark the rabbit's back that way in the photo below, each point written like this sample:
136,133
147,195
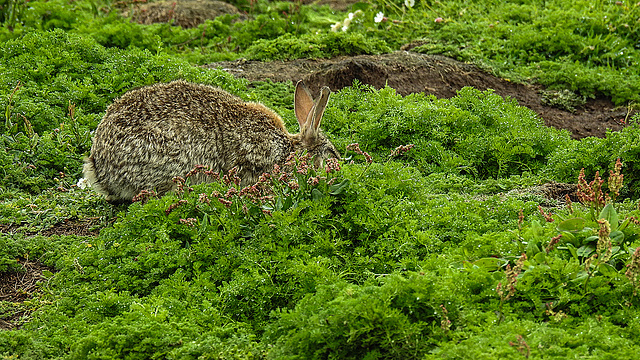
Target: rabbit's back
154,133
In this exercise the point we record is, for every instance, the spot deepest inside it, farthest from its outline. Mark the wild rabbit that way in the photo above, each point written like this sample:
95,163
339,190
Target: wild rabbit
152,134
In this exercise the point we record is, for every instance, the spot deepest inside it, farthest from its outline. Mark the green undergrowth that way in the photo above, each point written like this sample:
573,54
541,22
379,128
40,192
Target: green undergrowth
47,72
314,46
364,262
586,47
55,87
432,238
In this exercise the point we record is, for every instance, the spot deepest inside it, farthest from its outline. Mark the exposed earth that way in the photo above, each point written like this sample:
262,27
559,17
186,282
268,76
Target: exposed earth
409,72
17,286
185,13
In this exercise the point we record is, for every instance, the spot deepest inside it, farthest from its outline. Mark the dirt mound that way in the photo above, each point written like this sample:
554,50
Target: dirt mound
410,72
184,13
340,5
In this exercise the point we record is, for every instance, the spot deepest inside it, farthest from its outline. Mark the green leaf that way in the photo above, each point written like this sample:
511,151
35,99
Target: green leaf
489,264
337,189
47,274
581,276
204,223
316,194
609,213
569,238
572,249
255,211
571,225
624,224
540,257
532,249
615,252
608,271
586,250
538,229
617,237
467,265
288,203
590,239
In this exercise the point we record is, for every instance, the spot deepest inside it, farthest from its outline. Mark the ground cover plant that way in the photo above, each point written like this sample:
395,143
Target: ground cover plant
431,238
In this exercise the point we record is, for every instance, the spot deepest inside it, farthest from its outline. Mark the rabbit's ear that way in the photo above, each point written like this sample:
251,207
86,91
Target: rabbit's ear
319,107
302,104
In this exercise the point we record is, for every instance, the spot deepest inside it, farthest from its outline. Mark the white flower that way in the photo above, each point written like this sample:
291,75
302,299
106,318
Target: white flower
83,183
345,24
409,3
379,17
350,16
336,26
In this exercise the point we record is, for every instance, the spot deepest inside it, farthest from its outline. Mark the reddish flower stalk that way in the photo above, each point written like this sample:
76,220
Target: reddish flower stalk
567,200
313,181
179,181
231,177
174,206
547,217
401,150
522,346
332,165
356,147
196,170
225,202
590,194
552,244
293,185
587,265
144,196
520,218
512,279
445,324
281,182
189,222
230,193
203,198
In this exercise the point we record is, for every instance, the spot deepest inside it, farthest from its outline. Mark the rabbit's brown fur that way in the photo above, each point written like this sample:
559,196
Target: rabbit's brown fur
155,133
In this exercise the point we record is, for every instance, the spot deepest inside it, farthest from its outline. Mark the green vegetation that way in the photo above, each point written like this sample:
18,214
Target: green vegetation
444,249
587,47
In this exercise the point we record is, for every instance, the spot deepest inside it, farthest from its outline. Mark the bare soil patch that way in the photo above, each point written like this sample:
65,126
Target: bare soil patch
17,286
84,227
184,13
409,72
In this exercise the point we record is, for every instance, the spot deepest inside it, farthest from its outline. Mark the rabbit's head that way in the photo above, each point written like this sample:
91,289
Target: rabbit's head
309,114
